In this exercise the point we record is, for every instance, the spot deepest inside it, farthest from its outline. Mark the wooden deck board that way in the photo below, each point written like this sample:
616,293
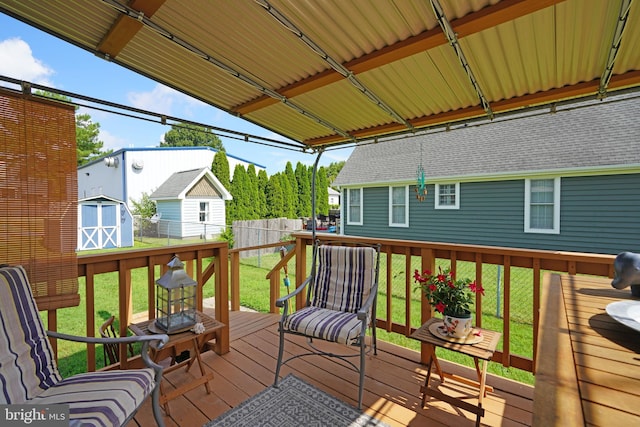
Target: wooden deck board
392,387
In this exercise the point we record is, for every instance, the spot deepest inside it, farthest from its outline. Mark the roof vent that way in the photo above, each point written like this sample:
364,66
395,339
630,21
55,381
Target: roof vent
111,162
137,164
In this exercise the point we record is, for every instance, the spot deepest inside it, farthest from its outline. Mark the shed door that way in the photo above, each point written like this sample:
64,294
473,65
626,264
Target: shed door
100,226
89,227
109,229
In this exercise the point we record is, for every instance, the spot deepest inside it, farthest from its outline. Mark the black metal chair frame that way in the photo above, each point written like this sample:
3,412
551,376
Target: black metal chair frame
369,306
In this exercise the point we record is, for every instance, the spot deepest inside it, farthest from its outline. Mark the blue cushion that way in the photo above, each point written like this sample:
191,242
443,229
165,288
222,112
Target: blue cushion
105,398
344,277
26,357
335,326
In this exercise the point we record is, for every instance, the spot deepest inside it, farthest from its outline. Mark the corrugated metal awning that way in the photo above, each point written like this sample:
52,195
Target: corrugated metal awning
326,72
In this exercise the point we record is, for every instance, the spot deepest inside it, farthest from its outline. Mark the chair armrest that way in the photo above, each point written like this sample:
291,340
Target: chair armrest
145,339
162,338
368,303
281,302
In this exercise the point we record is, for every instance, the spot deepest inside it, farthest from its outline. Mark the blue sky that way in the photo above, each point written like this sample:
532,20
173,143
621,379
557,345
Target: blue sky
27,53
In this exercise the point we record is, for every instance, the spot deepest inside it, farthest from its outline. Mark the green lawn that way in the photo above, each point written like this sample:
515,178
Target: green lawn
254,293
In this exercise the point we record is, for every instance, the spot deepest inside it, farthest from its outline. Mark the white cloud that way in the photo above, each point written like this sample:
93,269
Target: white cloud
162,99
17,61
111,141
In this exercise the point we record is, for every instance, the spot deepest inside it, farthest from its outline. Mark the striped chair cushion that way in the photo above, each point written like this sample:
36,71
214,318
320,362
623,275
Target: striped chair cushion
335,326
26,357
344,277
105,398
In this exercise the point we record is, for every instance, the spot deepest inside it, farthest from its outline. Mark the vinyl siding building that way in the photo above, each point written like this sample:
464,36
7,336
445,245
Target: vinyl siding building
567,181
191,204
127,173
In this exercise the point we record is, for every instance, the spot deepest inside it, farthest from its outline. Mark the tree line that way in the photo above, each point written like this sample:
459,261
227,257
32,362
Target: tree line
285,194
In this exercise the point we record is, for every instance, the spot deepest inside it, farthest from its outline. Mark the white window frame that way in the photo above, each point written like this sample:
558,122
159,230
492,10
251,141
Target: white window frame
205,211
350,220
456,205
556,207
405,222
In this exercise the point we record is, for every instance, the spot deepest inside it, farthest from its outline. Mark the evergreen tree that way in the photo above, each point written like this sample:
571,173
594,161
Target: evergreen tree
263,181
252,193
304,190
287,194
88,146
240,191
189,135
292,205
220,168
333,170
275,197
322,192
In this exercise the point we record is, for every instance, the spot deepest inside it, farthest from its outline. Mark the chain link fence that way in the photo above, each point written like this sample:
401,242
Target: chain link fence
150,230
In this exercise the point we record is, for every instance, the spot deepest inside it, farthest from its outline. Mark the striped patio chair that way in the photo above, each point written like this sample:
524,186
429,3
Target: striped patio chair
29,373
341,304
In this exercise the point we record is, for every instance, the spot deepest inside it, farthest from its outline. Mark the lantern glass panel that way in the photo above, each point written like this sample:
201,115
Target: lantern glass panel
175,300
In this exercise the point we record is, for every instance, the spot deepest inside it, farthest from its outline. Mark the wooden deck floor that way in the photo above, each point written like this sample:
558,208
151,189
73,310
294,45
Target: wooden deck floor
392,387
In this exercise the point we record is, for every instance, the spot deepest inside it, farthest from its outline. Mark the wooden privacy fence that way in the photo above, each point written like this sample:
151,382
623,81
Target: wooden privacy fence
255,234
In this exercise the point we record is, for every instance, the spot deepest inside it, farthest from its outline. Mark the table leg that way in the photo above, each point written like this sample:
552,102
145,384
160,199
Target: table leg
433,361
203,373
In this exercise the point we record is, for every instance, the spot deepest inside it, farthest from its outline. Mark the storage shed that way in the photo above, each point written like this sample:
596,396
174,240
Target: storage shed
104,223
191,203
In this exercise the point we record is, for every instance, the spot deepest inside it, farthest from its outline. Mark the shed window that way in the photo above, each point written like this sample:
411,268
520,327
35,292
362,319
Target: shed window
542,206
399,206
204,211
447,196
354,206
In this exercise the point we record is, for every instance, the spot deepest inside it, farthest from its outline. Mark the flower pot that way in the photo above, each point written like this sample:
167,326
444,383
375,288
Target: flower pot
458,325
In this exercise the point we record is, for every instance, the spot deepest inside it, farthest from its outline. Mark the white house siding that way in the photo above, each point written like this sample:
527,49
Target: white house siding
126,182
191,225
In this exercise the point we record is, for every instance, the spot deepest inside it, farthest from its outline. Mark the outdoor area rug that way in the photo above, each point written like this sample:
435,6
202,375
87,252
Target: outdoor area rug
294,403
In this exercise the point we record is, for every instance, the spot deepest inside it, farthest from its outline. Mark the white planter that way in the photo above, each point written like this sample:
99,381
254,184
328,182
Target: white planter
458,327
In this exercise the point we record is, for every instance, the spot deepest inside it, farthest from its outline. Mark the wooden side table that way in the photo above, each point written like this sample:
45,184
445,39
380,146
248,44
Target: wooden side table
178,343
482,350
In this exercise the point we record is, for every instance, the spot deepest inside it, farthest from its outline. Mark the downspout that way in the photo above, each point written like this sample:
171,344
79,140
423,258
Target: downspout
125,195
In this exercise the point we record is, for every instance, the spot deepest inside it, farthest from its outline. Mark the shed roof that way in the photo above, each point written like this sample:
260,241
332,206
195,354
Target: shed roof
598,137
328,72
178,184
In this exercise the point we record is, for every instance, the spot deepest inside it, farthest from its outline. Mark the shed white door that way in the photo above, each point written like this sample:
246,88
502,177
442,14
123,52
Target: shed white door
100,227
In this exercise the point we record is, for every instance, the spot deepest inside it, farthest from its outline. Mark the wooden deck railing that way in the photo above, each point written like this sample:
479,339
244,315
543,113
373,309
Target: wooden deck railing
402,252
400,258
201,262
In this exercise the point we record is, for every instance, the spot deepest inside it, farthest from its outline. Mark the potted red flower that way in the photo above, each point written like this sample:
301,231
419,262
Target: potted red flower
451,297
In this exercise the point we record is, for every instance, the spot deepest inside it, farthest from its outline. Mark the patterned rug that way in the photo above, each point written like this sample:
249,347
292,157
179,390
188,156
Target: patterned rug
294,403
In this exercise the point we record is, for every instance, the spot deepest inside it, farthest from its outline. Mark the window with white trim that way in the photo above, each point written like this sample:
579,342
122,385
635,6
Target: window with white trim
447,196
542,206
399,206
354,206
204,211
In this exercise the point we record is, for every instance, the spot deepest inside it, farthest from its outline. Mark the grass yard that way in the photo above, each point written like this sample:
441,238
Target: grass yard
254,294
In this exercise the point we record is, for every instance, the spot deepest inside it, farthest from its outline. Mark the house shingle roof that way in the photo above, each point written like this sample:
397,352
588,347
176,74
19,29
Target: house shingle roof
176,184
601,135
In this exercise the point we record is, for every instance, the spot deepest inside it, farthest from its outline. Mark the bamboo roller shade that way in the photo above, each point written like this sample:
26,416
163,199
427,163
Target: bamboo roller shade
39,194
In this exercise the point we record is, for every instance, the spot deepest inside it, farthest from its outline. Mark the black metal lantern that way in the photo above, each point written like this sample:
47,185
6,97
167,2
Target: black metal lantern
175,299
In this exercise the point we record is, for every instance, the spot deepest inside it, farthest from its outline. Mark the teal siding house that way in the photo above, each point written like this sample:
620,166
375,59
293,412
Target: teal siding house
567,180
